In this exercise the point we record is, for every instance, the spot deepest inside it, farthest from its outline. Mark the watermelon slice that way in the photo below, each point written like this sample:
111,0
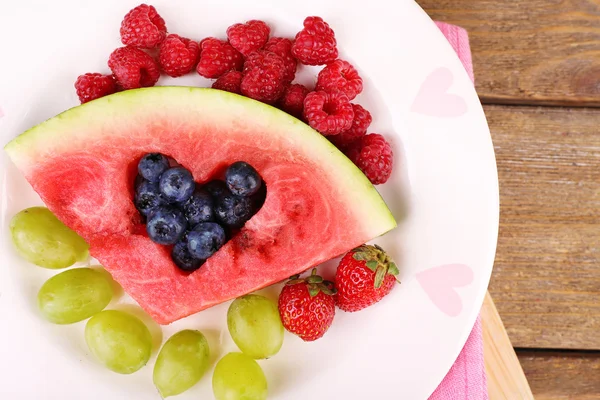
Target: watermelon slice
82,163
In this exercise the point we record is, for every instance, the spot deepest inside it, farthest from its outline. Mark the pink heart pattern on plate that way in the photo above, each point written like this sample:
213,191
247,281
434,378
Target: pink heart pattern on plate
440,282
433,98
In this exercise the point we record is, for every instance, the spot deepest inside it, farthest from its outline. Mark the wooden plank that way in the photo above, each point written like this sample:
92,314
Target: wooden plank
546,279
555,375
530,51
505,377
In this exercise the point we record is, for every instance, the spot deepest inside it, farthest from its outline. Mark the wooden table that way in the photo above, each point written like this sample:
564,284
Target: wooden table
537,72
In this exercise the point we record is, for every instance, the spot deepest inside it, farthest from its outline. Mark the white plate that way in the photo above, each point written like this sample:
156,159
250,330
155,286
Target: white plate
444,194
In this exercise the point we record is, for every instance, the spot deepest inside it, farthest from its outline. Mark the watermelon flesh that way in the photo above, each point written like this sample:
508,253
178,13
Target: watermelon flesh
82,163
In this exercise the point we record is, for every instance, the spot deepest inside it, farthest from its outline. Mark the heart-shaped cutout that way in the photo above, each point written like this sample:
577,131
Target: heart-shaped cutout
440,283
433,98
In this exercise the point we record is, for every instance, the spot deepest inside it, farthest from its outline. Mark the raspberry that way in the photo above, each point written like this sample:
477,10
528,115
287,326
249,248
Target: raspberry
92,86
133,68
248,37
283,48
328,113
230,82
217,57
292,101
315,44
360,124
178,55
263,79
373,155
143,27
340,75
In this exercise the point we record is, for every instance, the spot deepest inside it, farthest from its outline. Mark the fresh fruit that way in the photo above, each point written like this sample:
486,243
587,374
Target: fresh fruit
120,341
183,259
328,112
361,122
205,239
242,179
178,55
143,27
148,197
181,363
218,57
74,295
292,101
283,48
374,156
315,44
340,75
176,185
216,188
248,37
42,239
133,68
166,225
363,277
234,211
91,149
92,86
229,81
239,377
199,207
255,327
264,77
152,165
306,306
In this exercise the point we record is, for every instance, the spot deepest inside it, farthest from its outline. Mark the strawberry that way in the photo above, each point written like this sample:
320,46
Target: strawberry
307,307
364,276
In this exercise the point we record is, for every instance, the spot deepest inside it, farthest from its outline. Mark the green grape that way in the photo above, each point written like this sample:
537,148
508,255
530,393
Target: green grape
74,295
119,340
239,377
44,240
181,362
255,326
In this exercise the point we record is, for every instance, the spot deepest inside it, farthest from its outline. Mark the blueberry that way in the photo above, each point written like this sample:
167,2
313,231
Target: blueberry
152,165
216,188
205,239
176,184
242,179
234,210
199,207
166,225
147,197
183,259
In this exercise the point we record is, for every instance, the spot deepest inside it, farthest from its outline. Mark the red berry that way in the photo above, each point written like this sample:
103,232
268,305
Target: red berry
230,82
283,48
217,57
363,277
178,55
340,75
328,113
360,124
248,37
374,156
133,68
263,79
306,306
92,86
292,101
315,44
143,27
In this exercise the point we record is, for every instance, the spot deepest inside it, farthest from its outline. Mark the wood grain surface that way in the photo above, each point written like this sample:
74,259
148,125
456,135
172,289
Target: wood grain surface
556,375
530,51
546,280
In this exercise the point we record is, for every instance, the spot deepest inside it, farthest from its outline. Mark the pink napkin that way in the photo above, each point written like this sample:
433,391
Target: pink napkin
466,380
